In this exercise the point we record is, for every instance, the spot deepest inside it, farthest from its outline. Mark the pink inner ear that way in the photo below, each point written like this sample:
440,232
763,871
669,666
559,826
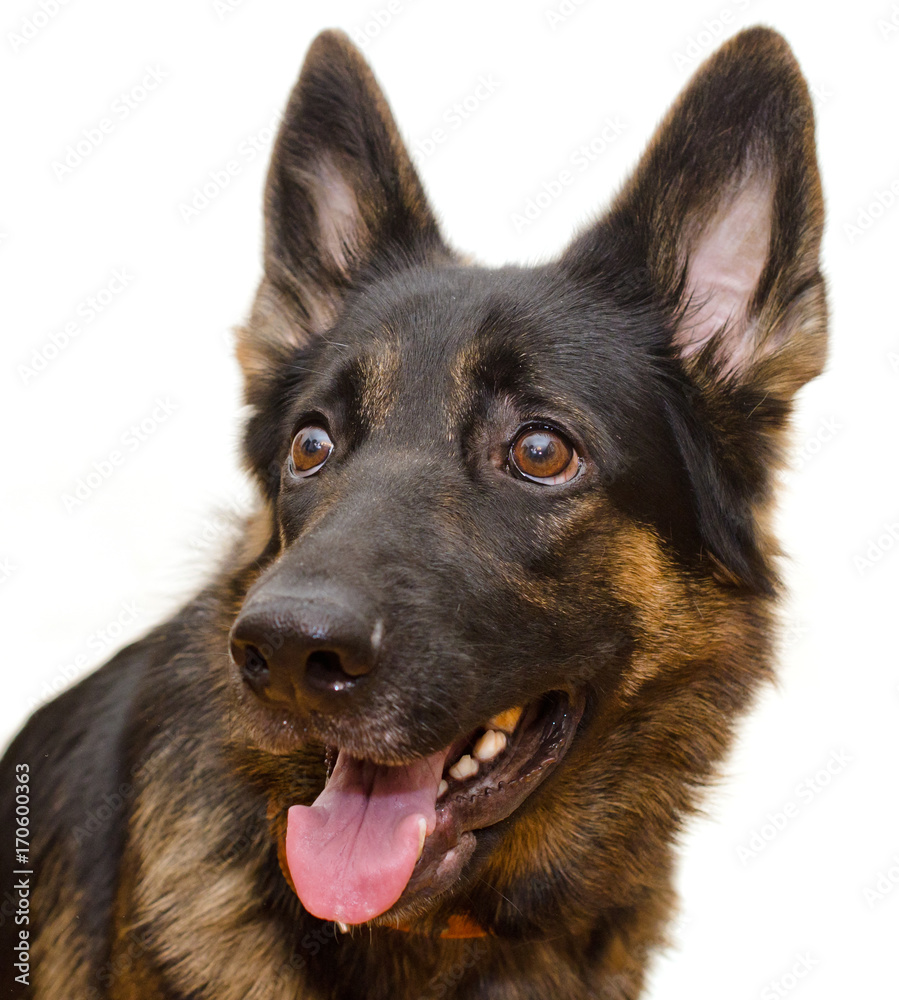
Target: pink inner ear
723,270
337,211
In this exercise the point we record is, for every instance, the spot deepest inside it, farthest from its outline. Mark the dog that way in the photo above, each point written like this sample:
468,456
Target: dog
433,727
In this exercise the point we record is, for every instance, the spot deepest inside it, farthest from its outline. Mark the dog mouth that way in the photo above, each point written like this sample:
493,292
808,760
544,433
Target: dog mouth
382,838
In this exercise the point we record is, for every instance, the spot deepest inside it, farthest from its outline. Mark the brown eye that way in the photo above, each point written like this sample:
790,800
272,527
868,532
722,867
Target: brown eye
310,450
544,456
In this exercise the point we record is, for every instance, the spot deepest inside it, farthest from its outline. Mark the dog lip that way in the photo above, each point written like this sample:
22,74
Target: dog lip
537,747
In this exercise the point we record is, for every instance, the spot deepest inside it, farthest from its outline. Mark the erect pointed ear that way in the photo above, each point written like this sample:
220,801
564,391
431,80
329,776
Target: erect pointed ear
721,223
342,200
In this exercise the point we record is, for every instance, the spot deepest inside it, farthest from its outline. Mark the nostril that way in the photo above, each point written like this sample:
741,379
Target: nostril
253,666
254,663
325,669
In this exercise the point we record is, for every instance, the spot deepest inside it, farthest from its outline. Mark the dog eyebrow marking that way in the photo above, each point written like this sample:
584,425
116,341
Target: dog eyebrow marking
378,380
461,369
483,364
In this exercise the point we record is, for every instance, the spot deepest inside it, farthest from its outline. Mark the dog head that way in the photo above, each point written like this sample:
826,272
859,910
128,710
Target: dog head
519,576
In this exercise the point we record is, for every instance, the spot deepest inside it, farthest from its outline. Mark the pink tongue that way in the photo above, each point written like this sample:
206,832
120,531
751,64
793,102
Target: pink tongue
351,853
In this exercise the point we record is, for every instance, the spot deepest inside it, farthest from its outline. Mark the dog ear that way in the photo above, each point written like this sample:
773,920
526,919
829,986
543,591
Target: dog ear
342,200
715,241
721,223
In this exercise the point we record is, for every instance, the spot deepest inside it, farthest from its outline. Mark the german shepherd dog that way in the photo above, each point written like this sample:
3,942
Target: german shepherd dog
434,727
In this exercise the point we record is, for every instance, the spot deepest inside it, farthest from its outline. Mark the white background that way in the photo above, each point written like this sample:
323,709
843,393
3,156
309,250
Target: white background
76,583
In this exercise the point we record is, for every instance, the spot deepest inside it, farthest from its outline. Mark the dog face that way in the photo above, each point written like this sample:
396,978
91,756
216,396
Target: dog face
519,575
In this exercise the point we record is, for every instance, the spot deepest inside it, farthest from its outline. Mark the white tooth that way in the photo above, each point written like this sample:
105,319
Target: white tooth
343,928
442,787
422,833
489,745
465,767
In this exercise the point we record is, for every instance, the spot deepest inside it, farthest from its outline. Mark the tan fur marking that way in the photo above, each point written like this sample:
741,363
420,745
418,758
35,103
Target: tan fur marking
462,368
678,621
202,904
380,377
56,959
274,330
258,533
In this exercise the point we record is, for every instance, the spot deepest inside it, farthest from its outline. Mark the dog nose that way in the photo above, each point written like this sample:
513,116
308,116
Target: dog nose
303,652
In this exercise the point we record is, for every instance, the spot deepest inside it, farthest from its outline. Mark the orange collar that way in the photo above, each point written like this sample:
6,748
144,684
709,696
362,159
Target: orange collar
457,926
